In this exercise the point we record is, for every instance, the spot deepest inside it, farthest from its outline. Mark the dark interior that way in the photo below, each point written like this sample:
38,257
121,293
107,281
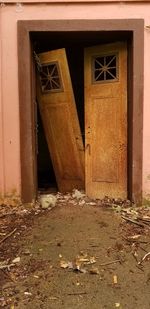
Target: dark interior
74,43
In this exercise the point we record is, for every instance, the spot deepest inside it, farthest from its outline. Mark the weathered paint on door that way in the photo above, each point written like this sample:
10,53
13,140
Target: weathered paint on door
106,120
59,115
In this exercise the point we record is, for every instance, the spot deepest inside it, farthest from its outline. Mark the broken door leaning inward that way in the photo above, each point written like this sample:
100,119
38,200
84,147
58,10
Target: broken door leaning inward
59,116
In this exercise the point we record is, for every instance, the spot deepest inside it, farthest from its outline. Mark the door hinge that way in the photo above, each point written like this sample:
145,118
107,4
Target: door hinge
37,61
36,129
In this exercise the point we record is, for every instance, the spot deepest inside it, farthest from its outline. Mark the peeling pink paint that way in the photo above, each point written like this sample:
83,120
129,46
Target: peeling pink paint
9,101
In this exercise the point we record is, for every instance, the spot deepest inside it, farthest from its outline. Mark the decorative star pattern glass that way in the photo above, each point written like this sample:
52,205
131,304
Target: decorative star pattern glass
50,78
105,68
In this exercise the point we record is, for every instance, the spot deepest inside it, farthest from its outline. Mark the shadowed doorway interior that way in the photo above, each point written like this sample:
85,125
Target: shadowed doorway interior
45,172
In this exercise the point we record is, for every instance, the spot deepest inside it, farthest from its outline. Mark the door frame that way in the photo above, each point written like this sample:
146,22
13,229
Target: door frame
27,96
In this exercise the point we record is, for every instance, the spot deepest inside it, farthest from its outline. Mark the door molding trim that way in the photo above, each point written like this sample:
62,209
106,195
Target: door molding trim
26,96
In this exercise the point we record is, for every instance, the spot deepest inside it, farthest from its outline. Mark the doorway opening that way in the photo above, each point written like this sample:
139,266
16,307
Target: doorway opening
49,35
74,46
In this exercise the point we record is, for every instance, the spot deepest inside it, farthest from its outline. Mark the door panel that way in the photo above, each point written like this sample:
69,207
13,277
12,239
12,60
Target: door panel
105,170
106,120
59,115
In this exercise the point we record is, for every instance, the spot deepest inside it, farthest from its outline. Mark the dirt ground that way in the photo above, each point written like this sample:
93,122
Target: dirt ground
75,255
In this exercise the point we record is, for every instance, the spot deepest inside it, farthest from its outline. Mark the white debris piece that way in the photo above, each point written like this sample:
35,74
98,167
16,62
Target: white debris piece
48,200
78,194
92,203
16,260
27,293
82,202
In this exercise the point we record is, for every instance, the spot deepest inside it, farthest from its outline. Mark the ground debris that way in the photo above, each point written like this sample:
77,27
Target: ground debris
145,257
132,221
27,293
111,262
135,239
76,293
115,279
84,258
10,234
64,264
16,260
94,271
6,266
78,264
47,201
78,194
75,227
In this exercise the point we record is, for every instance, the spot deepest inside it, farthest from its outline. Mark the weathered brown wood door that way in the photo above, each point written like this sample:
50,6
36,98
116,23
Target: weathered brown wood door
106,120
58,111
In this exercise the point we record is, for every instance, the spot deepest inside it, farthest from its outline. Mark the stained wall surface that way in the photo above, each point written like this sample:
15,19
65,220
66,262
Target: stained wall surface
10,13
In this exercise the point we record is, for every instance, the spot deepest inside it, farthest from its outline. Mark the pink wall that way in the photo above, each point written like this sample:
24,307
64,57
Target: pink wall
9,103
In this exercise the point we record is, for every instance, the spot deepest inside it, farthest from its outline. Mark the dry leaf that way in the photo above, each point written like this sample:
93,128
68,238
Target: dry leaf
115,279
77,264
16,260
94,271
134,236
78,283
83,258
53,298
63,264
27,293
92,260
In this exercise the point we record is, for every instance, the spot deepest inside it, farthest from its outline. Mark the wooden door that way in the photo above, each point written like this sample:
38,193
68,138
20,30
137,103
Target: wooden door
59,115
106,120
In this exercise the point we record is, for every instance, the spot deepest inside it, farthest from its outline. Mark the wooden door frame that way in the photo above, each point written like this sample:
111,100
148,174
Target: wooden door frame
27,96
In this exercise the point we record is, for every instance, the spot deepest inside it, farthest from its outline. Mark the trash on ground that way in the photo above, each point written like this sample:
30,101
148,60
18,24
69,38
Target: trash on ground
48,200
84,258
81,203
78,265
78,194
